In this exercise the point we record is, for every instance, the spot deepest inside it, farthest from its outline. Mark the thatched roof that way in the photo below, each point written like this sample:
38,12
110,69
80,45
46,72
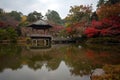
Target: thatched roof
40,24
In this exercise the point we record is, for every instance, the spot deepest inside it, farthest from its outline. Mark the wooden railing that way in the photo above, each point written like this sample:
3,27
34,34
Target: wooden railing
39,35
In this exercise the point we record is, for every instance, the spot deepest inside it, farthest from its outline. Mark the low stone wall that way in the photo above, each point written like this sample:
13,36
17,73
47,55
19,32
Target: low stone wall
8,41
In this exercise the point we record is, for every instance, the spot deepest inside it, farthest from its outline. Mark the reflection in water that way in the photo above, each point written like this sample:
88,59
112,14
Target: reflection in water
40,43
61,73
60,62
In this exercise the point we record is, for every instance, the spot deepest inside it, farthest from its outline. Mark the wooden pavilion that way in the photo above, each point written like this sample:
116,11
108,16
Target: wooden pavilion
40,39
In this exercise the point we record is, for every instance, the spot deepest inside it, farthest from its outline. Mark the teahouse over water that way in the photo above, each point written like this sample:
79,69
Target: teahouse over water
40,33
40,25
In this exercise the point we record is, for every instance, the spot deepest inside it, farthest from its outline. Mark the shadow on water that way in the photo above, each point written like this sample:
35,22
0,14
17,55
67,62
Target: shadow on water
58,62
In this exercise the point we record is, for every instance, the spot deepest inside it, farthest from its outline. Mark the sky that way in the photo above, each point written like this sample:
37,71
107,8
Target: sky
27,6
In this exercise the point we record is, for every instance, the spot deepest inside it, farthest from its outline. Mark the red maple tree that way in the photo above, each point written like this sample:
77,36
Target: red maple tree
105,27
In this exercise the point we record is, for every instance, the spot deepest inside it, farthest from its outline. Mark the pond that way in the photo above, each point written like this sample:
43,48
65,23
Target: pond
60,62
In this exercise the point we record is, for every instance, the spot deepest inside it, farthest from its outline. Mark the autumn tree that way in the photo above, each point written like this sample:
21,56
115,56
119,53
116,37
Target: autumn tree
77,19
23,22
108,24
108,10
24,18
2,24
107,2
107,27
79,13
8,20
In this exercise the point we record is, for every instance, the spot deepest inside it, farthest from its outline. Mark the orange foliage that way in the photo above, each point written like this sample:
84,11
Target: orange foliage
76,27
102,57
79,24
104,54
90,54
69,29
108,10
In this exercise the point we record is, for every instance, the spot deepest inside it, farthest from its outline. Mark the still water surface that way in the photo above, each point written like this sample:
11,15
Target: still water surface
60,62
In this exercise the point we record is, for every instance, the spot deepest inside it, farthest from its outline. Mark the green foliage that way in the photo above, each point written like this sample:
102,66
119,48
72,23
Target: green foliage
9,49
23,24
8,34
34,16
53,17
2,15
12,34
16,15
94,16
18,31
79,13
1,11
3,34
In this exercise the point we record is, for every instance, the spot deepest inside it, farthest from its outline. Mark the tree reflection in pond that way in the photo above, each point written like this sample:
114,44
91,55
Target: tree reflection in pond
10,57
60,62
